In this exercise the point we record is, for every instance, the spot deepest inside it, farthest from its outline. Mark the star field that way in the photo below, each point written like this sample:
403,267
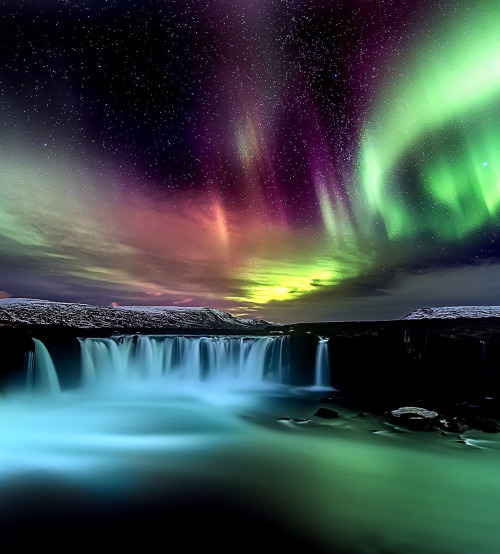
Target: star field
295,160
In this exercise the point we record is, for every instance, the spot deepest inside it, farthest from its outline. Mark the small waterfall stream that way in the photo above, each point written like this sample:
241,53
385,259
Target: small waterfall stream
322,365
41,372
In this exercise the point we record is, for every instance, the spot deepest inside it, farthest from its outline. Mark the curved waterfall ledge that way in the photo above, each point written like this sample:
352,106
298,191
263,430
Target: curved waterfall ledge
173,358
185,358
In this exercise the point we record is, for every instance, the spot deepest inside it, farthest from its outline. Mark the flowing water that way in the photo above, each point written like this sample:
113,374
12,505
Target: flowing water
322,365
221,454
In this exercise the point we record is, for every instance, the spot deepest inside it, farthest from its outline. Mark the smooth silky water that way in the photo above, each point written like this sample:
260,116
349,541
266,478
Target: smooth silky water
200,443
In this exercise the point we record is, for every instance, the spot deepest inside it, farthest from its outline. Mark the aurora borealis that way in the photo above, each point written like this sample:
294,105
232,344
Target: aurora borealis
293,160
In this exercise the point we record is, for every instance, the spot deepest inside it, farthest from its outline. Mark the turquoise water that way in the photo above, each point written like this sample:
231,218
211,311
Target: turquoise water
216,466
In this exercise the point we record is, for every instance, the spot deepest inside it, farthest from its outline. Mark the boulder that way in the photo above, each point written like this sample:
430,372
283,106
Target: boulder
454,424
327,413
414,417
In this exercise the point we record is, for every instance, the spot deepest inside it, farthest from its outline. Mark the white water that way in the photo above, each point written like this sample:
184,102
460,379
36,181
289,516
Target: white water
41,375
322,365
187,359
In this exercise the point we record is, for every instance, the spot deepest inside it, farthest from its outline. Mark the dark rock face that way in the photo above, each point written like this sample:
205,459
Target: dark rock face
13,346
435,362
302,358
327,413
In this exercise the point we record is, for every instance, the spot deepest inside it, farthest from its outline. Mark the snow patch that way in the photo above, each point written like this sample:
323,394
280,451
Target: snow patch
44,312
158,309
454,312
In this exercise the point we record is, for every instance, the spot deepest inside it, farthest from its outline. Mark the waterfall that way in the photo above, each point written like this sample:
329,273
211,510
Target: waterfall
42,375
322,365
29,364
185,358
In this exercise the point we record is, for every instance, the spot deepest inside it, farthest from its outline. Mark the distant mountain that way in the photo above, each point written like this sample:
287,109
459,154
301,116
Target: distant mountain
86,316
454,312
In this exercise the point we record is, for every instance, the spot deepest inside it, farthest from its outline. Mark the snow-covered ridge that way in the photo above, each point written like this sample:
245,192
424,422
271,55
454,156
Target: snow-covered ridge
43,312
158,309
454,312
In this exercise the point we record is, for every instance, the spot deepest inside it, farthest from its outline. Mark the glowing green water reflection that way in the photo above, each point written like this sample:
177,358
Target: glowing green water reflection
347,485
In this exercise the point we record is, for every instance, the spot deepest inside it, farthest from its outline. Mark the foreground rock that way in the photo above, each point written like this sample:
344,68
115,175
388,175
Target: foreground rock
461,424
415,417
420,419
326,413
454,424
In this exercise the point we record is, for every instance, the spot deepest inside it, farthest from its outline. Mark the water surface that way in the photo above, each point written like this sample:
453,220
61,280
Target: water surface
220,466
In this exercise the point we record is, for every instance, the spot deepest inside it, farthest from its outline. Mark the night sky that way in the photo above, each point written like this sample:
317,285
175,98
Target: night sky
294,160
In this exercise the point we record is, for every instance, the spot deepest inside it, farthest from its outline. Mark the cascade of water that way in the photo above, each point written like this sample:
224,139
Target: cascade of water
322,365
29,364
185,358
42,375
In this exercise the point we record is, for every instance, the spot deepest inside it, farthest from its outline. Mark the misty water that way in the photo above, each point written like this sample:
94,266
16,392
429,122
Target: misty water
229,459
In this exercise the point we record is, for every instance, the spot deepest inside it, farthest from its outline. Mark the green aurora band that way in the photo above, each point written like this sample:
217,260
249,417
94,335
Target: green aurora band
429,161
429,157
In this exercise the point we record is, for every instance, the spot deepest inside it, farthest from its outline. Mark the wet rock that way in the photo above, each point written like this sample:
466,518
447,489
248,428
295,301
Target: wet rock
454,425
294,419
463,423
485,425
415,418
327,413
